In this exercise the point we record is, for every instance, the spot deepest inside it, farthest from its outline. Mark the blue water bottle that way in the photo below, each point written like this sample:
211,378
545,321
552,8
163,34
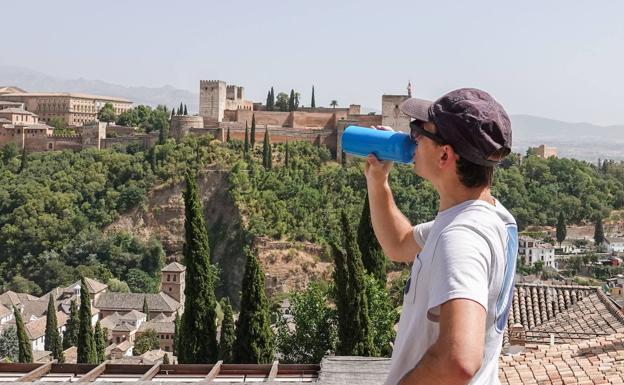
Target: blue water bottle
386,145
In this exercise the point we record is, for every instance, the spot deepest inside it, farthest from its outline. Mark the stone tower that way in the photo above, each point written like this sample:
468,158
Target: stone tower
172,281
212,95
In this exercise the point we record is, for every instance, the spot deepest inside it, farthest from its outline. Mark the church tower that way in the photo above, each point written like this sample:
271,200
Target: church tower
172,281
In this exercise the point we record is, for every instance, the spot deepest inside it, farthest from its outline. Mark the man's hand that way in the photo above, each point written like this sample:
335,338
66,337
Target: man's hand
456,356
377,171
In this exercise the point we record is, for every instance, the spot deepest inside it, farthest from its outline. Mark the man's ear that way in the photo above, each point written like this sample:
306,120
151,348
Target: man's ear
447,157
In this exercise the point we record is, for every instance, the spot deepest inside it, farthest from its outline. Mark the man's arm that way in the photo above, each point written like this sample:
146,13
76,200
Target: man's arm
457,354
392,229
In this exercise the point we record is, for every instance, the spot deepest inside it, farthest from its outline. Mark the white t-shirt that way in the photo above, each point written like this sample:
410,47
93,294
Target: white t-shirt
468,251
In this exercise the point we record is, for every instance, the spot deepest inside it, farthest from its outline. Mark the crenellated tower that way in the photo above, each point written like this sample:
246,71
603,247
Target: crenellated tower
212,95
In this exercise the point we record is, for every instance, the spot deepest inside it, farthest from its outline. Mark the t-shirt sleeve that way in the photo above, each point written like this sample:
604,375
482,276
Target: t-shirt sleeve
421,232
460,268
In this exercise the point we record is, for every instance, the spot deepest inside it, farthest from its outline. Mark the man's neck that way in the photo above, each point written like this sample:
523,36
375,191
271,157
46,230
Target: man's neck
453,195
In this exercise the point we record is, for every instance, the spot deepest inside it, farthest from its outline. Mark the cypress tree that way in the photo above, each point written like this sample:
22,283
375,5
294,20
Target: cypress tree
172,113
561,228
252,140
25,354
166,359
70,338
227,332
53,341
146,308
180,109
373,258
163,133
176,336
246,145
197,342
291,101
266,150
185,110
268,101
358,339
23,161
254,342
270,157
272,99
100,343
87,353
228,138
598,232
341,280
286,156
313,103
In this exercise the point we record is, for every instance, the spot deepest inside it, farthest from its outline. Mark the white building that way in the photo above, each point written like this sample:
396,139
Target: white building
532,250
614,245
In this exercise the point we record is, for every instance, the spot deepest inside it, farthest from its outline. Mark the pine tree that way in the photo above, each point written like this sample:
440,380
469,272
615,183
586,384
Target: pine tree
266,150
268,101
70,338
172,113
166,359
252,139
185,110
100,343
598,232
291,101
287,156
246,145
87,353
163,133
23,161
357,339
373,258
561,228
272,100
180,109
176,336
227,332
197,342
341,280
25,348
254,342
53,341
313,103
146,308
228,138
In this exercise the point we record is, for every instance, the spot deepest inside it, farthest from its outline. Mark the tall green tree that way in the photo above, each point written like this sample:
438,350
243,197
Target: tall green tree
282,101
147,341
272,101
100,343
25,348
23,161
87,352
172,113
70,337
198,329
53,342
9,344
226,340
313,102
254,342
246,144
146,308
185,110
561,228
163,132
599,232
334,103
356,337
268,101
176,336
267,156
287,156
252,140
291,101
373,257
166,359
181,109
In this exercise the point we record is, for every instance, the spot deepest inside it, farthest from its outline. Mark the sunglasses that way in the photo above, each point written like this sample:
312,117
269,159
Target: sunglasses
417,128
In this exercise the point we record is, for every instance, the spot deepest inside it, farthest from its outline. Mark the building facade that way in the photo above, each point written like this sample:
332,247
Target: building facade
75,109
532,250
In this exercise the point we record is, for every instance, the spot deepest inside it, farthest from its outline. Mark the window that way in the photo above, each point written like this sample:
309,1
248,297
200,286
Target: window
174,278
169,288
168,277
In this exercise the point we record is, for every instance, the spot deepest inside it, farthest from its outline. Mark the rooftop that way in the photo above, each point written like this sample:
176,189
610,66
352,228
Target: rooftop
19,111
174,267
160,302
66,94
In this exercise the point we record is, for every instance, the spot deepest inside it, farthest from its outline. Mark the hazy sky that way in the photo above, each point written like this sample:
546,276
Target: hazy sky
556,59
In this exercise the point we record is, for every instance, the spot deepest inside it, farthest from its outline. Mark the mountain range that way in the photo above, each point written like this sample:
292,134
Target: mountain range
584,141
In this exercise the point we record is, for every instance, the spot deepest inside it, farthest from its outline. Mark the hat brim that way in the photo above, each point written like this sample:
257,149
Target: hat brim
416,108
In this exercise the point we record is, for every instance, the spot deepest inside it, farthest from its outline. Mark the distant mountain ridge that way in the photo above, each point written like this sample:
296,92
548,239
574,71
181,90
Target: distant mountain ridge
574,140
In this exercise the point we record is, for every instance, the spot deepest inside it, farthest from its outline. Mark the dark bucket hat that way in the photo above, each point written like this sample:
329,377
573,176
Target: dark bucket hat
470,120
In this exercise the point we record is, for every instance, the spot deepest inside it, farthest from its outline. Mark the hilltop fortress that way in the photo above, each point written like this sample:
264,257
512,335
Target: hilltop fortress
222,107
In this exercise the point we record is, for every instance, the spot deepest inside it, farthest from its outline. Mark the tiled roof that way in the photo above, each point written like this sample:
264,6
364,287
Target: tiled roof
19,111
110,321
133,315
36,328
595,361
162,318
36,308
158,327
123,328
174,267
4,311
71,355
160,302
10,298
124,346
